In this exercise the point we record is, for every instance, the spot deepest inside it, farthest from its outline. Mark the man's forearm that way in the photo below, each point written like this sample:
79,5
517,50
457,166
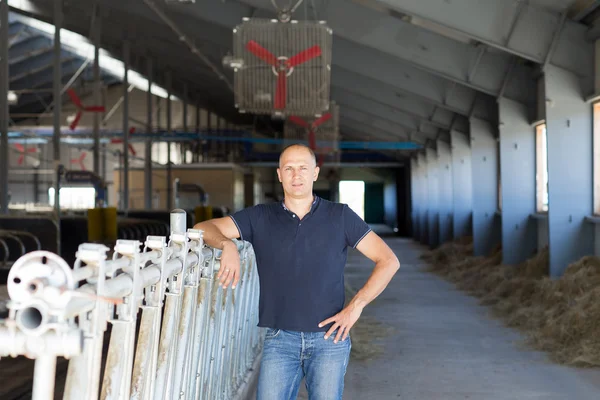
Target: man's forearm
212,235
381,276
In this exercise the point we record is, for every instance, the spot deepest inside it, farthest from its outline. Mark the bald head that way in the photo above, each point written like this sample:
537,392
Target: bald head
297,171
297,149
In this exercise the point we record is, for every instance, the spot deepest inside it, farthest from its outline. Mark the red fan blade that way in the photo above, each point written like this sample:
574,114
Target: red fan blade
20,147
261,52
82,156
74,98
304,56
299,121
312,141
324,118
94,109
75,121
132,150
21,158
132,130
280,91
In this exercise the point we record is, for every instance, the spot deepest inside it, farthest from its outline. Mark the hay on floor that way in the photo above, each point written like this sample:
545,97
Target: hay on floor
560,316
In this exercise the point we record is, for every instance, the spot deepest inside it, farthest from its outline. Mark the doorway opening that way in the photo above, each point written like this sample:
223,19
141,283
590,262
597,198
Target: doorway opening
353,194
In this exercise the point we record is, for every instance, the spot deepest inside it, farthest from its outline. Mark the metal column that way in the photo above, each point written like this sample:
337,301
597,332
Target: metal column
169,132
58,20
433,196
415,199
197,152
209,144
185,123
517,171
125,187
462,187
97,97
4,115
485,187
570,169
148,144
424,209
445,191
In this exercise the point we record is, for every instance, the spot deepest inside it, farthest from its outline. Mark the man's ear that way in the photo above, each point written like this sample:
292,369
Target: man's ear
317,170
279,174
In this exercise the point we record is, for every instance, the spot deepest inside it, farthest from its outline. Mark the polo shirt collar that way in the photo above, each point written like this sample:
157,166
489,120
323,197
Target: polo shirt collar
312,207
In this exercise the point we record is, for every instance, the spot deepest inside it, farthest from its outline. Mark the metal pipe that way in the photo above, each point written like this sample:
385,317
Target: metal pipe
125,188
15,343
182,37
58,21
97,99
4,77
44,374
169,132
148,151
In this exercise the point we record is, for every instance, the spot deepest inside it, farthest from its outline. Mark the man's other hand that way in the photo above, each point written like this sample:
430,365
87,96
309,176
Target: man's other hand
229,271
343,322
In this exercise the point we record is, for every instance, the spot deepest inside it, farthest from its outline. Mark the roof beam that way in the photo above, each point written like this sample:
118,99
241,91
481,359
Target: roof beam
369,124
383,124
38,79
460,62
351,105
29,47
520,28
368,133
393,80
349,98
36,64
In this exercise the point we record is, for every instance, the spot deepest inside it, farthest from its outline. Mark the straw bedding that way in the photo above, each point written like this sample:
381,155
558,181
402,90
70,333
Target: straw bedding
560,316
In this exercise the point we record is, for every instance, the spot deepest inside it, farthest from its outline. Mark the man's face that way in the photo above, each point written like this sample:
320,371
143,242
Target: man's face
297,171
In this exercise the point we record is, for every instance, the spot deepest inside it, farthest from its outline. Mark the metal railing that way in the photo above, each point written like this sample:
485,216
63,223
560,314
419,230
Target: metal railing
195,340
15,240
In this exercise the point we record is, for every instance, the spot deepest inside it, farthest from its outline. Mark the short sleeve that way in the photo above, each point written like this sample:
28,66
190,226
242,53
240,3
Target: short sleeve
354,226
245,220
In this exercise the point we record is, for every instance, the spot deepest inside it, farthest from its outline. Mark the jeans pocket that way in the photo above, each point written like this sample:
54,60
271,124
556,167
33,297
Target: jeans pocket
272,333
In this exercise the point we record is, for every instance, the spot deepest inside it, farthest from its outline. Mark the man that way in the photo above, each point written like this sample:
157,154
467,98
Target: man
301,248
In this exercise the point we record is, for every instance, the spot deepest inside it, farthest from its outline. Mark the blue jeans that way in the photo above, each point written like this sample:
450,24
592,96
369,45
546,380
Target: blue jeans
289,356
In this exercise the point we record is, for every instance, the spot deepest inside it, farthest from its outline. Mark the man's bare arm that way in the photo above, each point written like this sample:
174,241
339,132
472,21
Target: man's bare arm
386,266
218,233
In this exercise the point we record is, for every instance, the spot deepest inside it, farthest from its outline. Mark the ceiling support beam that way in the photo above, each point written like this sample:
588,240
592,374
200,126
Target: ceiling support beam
356,100
484,21
394,84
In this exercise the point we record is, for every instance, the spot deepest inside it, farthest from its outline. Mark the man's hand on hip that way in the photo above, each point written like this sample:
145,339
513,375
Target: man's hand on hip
229,271
343,321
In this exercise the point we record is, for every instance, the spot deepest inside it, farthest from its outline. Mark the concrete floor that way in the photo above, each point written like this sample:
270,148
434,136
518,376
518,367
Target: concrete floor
445,346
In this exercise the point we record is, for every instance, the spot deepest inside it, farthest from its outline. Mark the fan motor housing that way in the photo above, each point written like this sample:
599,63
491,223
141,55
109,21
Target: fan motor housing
282,68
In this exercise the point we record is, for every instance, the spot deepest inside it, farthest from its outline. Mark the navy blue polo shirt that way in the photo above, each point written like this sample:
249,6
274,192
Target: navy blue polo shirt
300,262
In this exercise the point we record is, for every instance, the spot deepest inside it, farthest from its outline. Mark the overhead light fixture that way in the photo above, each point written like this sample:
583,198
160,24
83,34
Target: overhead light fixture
13,98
